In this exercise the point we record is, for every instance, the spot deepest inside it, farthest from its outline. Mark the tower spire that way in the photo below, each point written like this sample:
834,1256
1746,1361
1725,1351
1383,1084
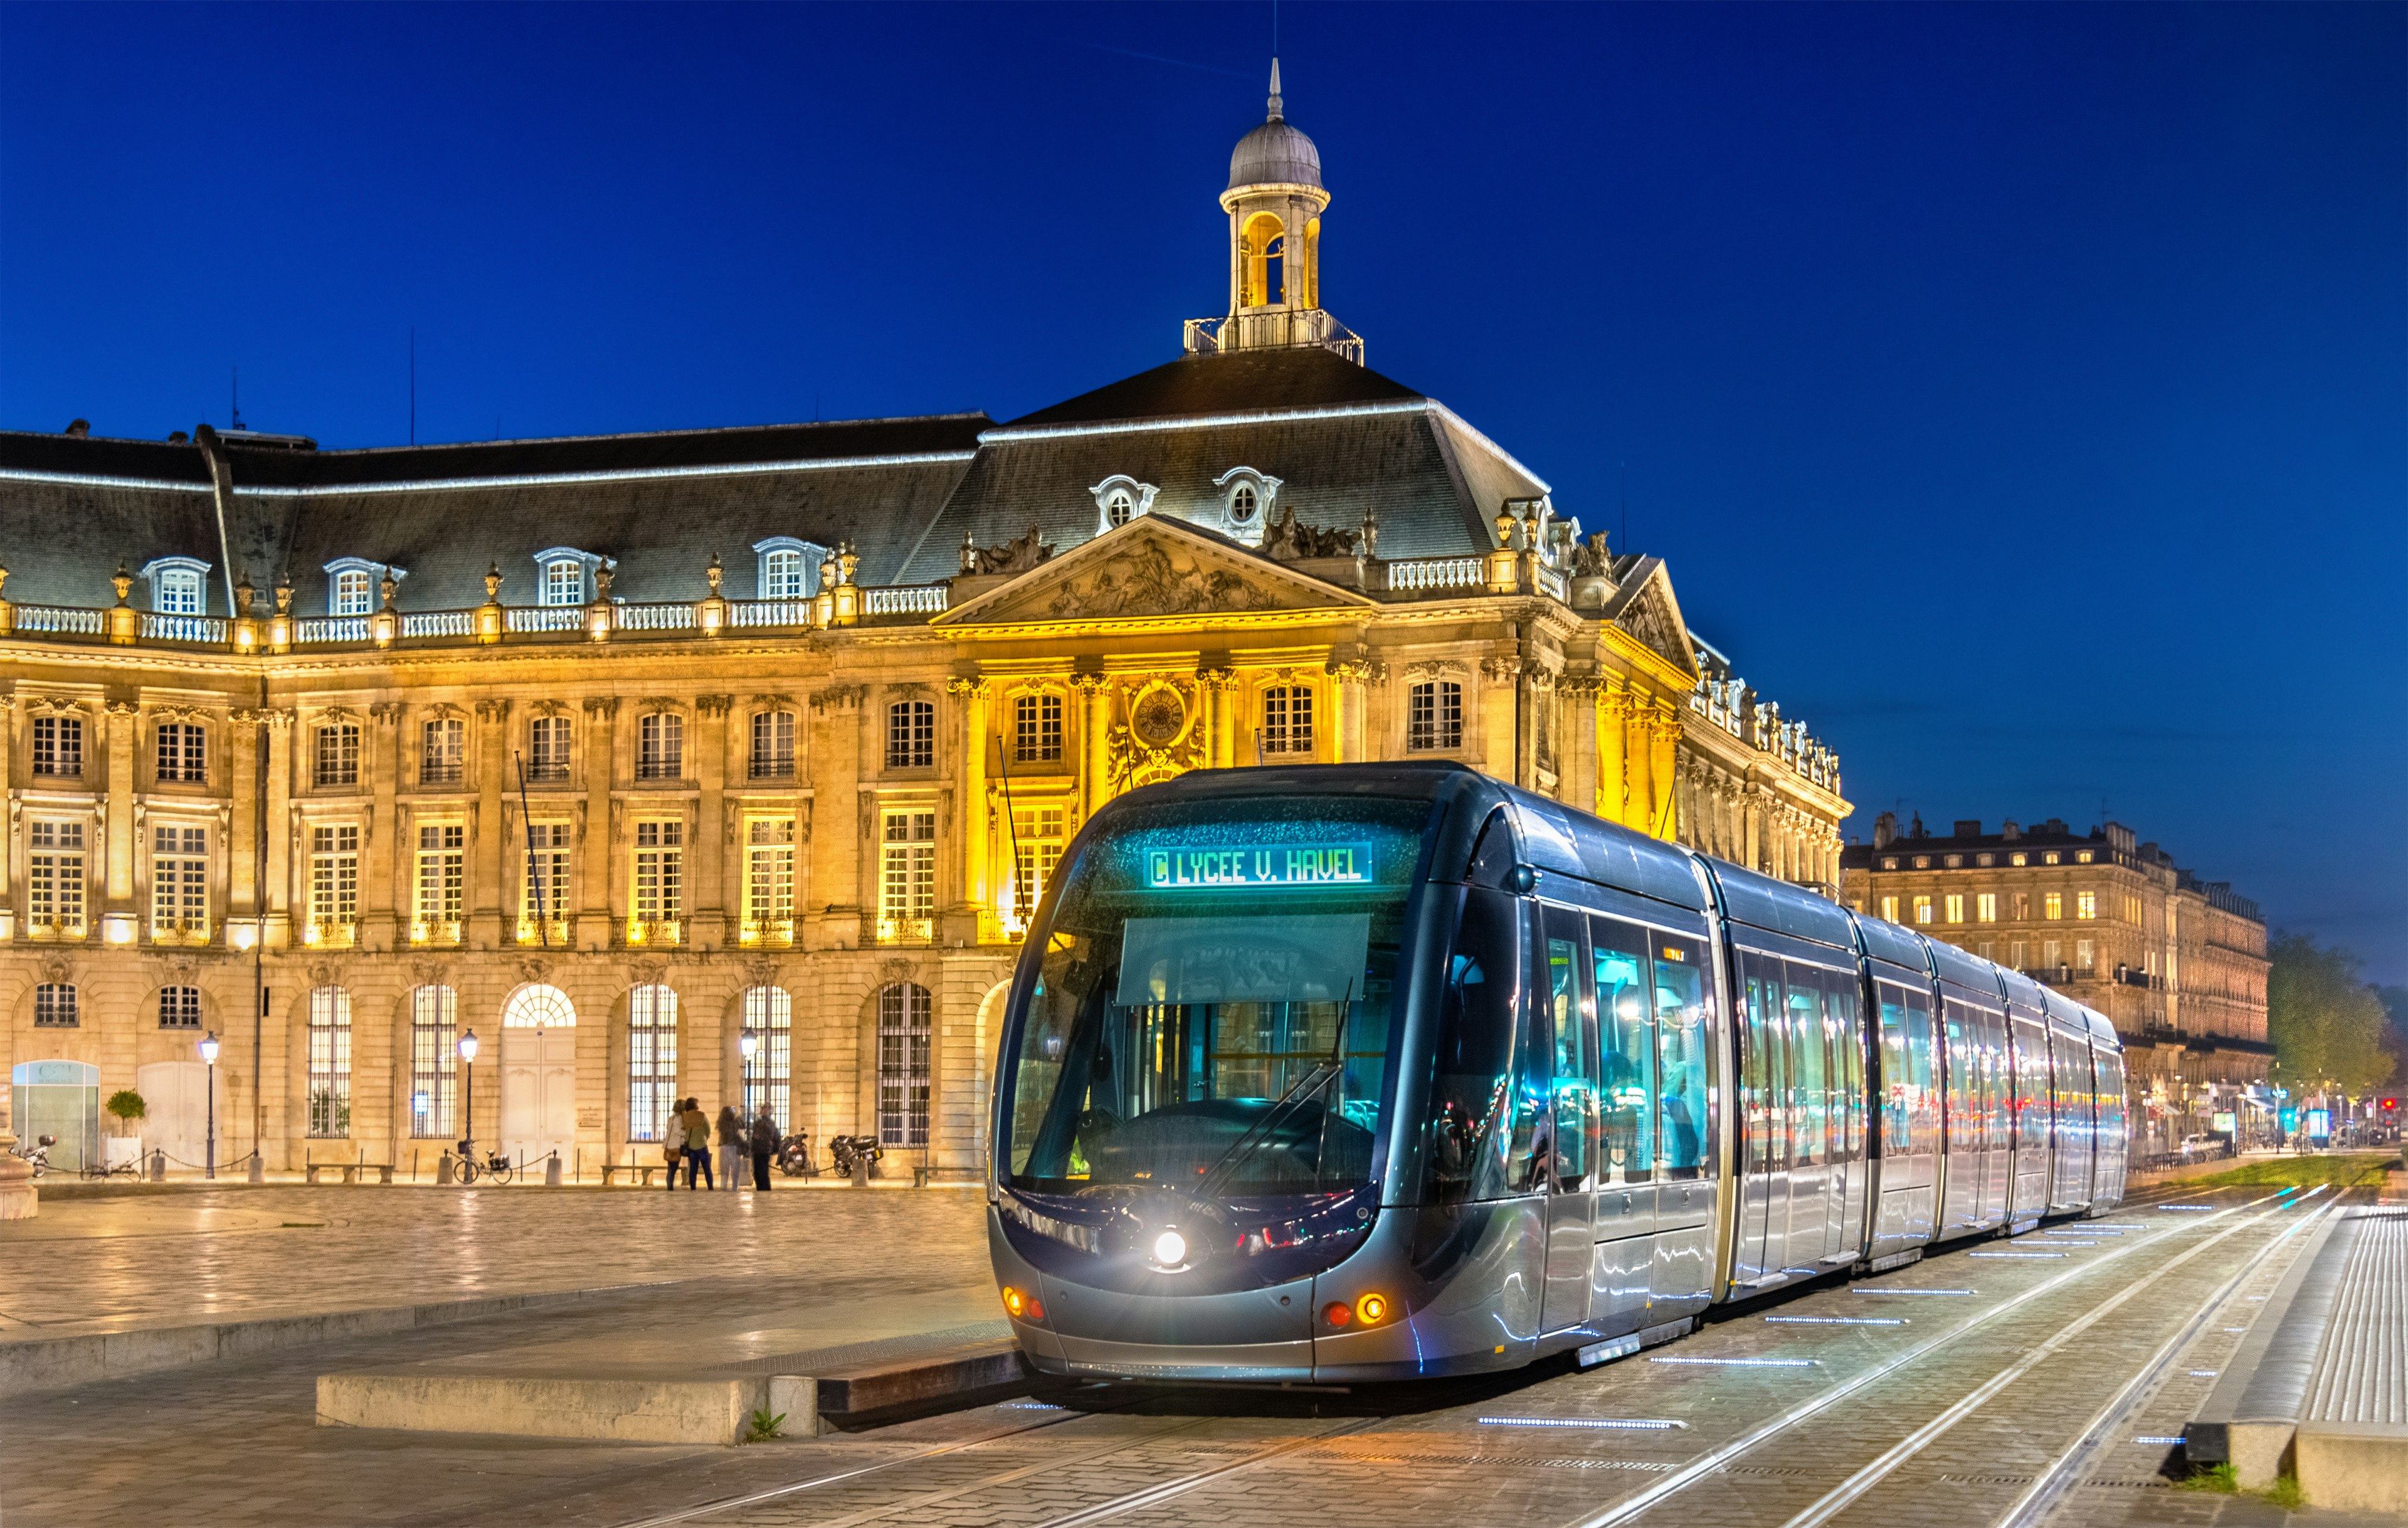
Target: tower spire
1275,115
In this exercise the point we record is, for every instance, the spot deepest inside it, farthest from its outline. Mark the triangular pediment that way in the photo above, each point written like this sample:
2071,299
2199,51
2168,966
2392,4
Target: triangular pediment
1645,607
1155,568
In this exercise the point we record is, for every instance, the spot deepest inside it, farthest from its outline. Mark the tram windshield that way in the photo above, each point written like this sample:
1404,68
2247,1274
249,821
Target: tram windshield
1211,1011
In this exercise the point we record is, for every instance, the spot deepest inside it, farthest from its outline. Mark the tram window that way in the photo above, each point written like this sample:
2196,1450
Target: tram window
1964,1117
1766,1073
1895,1079
1680,1056
1847,1076
1625,1021
1998,1083
1470,1101
1572,1044
2031,1087
1810,1108
1923,1104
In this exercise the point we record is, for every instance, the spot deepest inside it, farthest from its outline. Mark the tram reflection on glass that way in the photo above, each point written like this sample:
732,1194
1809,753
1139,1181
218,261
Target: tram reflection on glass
1346,1073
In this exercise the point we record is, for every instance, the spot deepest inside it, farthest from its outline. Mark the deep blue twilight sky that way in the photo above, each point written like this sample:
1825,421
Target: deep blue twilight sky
2020,394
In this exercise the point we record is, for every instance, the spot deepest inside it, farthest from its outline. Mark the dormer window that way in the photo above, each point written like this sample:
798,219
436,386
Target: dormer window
1248,500
1119,500
790,568
564,576
178,585
352,585
1242,502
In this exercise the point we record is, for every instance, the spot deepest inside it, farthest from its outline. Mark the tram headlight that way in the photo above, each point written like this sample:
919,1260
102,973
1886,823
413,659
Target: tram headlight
1171,1249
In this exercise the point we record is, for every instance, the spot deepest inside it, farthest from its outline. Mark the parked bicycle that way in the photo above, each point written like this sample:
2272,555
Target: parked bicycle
847,1155
496,1166
794,1156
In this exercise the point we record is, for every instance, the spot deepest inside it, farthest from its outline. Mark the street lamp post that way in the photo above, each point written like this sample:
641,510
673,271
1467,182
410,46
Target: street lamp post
467,1093
210,1055
748,1045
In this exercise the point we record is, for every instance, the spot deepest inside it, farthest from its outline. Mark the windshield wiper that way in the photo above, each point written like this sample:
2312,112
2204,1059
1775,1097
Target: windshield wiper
1297,1094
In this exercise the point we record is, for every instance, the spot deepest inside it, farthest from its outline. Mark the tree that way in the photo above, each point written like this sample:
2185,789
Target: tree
126,1106
2325,1021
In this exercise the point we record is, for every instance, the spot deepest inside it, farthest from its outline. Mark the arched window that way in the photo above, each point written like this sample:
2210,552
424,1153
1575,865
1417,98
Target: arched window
538,1007
1119,507
433,1060
769,1018
352,595
904,1009
563,581
330,1062
1242,503
1263,251
178,585
651,1060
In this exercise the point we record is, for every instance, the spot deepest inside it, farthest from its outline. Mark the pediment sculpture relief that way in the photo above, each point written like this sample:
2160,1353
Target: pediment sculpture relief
1017,556
1149,580
1287,542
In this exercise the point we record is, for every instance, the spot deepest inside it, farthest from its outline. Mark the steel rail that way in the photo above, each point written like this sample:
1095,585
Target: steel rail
1136,1500
1713,1461
1855,1486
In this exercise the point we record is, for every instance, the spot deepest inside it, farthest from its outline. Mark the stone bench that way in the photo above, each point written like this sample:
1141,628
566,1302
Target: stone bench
643,1171
353,1172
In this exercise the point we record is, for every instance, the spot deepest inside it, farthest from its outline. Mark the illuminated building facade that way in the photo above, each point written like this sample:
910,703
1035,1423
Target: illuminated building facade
2177,962
729,763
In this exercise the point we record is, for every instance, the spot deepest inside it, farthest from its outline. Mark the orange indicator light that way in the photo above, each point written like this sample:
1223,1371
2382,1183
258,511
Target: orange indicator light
1372,1309
1022,1307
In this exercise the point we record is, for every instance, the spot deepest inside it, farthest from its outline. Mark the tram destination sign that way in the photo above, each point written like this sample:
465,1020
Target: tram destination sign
1317,862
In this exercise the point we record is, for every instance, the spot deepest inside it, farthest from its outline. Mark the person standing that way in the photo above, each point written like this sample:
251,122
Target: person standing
765,1147
698,1144
732,1147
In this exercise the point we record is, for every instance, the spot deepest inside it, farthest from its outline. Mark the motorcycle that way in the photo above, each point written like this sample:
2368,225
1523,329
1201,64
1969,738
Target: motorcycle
847,1153
794,1156
39,1156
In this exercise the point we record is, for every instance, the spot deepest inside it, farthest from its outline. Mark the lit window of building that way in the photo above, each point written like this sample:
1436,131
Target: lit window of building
330,1062
2085,955
442,854
657,888
1287,720
543,892
1955,906
433,1061
563,581
2049,858
904,1009
443,751
354,593
58,746
1923,862
1889,909
907,880
338,761
1036,728
2052,905
660,745
547,749
651,1060
183,753
2018,859
177,586
1986,860
773,746
1434,715
2023,907
54,878
1986,907
334,882
179,1007
2086,904
911,735
2082,857
769,880
1038,839
1923,909
179,883
1890,862
55,1006
1954,862
768,1075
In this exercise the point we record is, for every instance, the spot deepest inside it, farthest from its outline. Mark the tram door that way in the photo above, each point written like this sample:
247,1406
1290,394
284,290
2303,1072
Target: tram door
1910,1118
1763,1228
1685,1073
1965,1165
1568,1029
1623,1273
2070,1086
2030,1063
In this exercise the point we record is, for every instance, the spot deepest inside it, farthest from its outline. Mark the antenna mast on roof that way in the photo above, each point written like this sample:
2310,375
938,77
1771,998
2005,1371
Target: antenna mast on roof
235,399
414,384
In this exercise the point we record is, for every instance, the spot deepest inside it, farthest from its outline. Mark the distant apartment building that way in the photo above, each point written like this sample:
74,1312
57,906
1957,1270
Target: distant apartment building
2177,962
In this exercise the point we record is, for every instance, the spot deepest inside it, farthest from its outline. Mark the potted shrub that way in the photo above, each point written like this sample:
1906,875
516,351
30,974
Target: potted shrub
124,1148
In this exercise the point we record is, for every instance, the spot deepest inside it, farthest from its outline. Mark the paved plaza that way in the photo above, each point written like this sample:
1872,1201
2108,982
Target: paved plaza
1814,1408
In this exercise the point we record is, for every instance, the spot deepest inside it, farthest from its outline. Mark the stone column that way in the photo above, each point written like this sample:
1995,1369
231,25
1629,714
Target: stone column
835,813
1639,763
715,828
1580,693
1664,737
978,882
241,839
385,859
277,934
1612,752
1751,830
119,887
1347,704
490,923
597,826
1501,705
1095,721
1217,681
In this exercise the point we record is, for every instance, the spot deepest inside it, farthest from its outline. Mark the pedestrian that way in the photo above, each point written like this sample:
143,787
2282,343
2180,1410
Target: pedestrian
674,1148
731,1146
765,1147
698,1144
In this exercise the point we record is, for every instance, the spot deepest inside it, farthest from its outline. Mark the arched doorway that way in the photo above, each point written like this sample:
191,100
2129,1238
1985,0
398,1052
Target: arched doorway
540,1074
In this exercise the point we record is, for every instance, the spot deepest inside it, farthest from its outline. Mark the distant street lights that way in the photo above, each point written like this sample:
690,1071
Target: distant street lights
210,1055
467,1093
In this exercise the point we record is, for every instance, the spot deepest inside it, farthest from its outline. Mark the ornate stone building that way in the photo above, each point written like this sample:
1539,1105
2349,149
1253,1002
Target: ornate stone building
2178,963
731,763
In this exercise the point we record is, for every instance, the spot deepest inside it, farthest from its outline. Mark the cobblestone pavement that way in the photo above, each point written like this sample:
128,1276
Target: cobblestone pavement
1947,1418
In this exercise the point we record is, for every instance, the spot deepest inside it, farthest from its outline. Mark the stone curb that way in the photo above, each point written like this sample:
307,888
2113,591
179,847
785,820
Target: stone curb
60,1363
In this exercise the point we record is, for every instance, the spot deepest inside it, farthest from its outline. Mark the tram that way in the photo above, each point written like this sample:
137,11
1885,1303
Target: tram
1371,1072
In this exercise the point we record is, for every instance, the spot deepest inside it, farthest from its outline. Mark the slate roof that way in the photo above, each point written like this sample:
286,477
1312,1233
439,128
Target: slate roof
1304,377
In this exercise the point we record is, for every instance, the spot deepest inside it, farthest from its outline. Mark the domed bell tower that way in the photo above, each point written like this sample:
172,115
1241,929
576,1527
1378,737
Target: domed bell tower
1275,201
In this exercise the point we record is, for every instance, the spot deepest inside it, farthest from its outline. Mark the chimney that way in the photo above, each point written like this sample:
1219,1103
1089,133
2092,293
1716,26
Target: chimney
80,428
2010,832
1885,829
1917,831
1969,827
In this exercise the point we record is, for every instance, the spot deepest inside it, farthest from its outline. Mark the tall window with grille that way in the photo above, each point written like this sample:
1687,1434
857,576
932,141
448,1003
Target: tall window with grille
773,746
768,1077
433,1060
1287,720
442,751
442,864
179,882
338,754
545,885
782,575
54,1006
547,749
660,745
563,581
58,746
179,1007
903,1030
55,900
352,595
658,887
334,882
1955,906
330,1062
183,753
1038,834
907,880
652,1060
2086,904
1434,715
911,735
769,879
1986,907
1036,728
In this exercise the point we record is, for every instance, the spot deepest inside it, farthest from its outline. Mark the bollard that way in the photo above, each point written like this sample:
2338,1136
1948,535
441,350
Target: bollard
861,1172
551,1171
258,1169
443,1169
158,1165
